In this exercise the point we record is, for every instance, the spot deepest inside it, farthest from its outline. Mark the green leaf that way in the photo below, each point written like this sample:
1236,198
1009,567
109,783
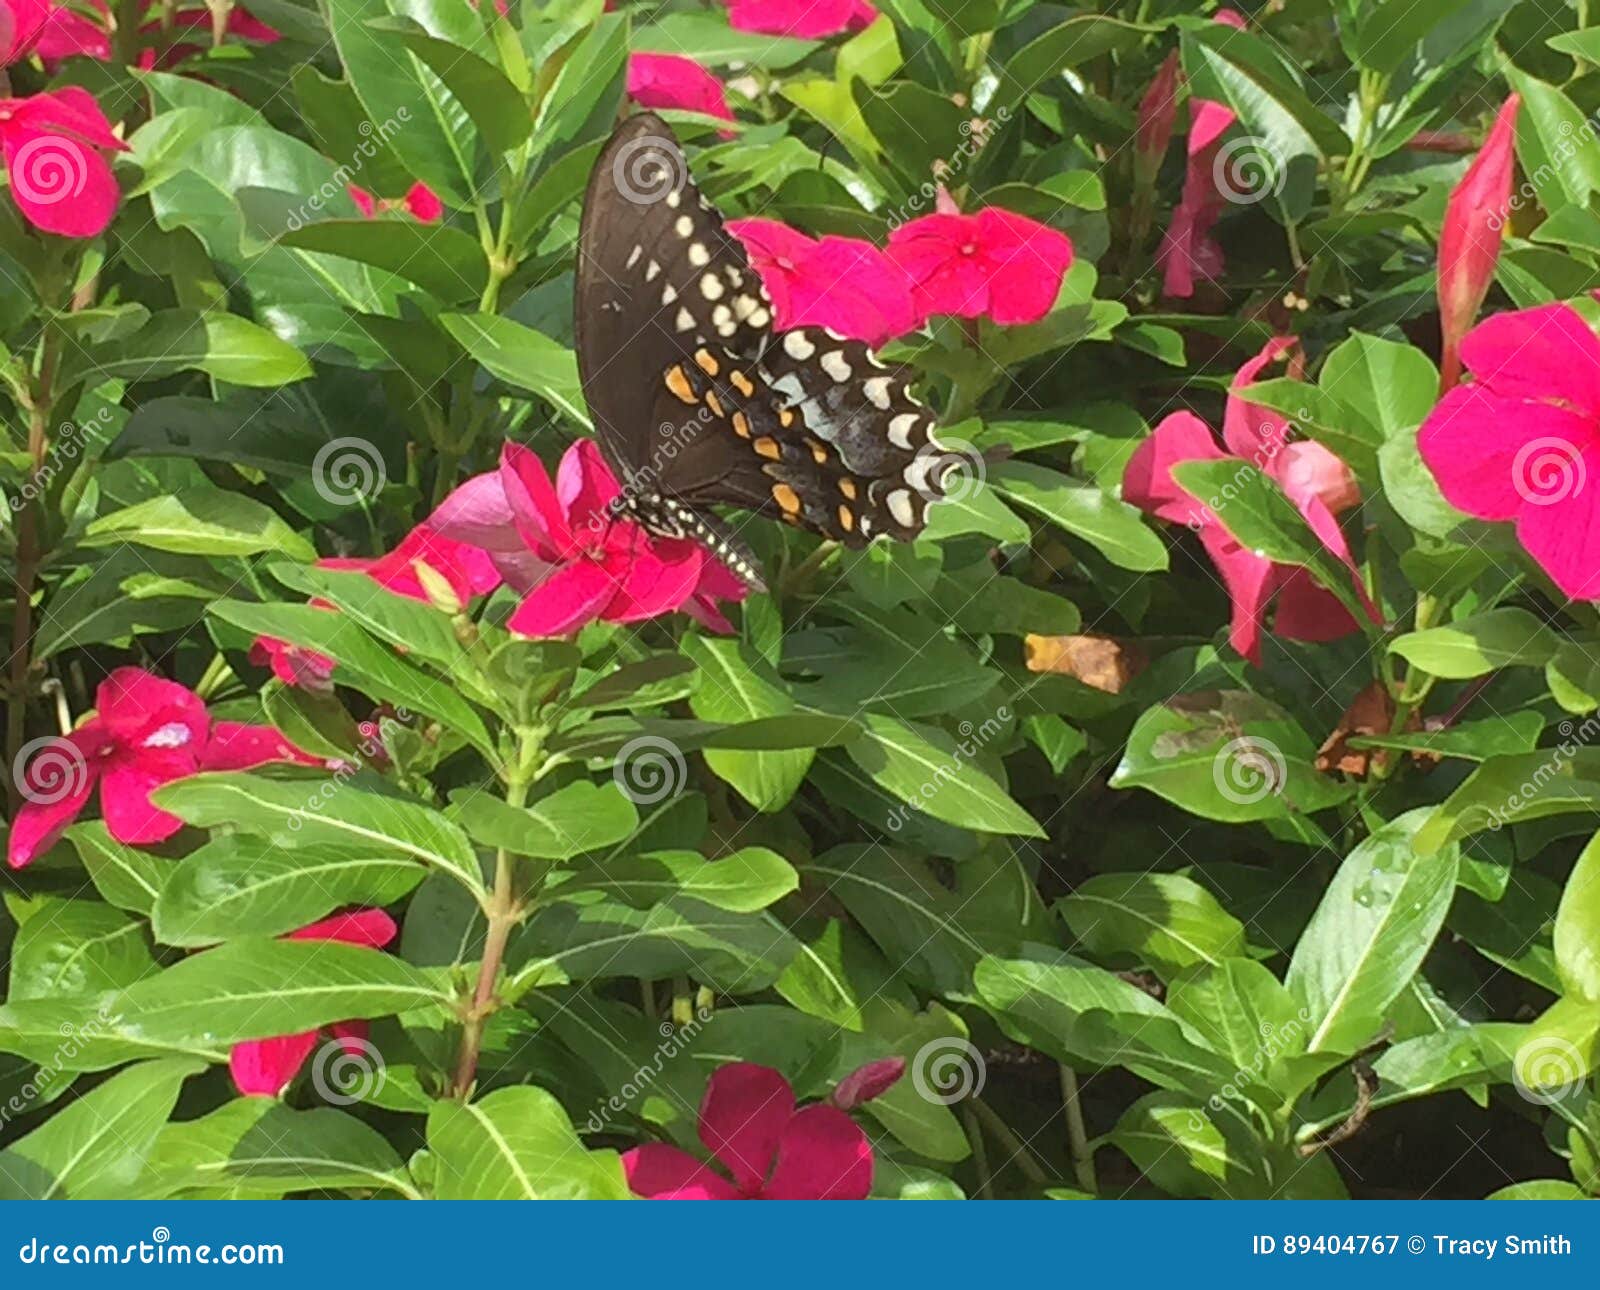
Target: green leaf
735,685
1242,71
523,358
1178,1145
927,769
76,947
744,882
493,103
1577,933
242,886
1554,139
1226,755
200,521
516,1144
1505,790
360,661
293,813
128,877
1064,46
1164,920
441,260
425,125
580,817
1114,528
716,44
1370,933
412,626
94,1149
1390,386
1474,646
255,1145
222,345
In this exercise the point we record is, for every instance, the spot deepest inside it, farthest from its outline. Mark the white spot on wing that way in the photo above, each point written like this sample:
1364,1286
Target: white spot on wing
711,286
684,226
684,321
651,271
797,347
900,429
633,256
668,294
905,514
833,363
698,255
877,392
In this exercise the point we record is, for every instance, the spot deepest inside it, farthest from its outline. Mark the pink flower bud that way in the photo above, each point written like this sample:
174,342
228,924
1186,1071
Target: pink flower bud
867,1082
1469,243
1157,111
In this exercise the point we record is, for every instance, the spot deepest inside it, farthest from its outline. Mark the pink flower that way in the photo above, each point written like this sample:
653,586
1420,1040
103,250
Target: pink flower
465,570
557,543
749,1123
21,22
1521,441
1188,251
1312,477
839,282
997,263
59,179
1469,243
420,202
146,732
806,19
672,81
264,1067
1158,109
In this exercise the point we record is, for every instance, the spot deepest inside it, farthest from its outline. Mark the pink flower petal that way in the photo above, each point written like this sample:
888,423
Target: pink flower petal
235,745
1490,454
56,786
805,19
125,804
585,487
1026,260
265,1067
1251,431
657,1171
822,1155
742,1119
370,927
1565,537
570,597
135,706
423,202
1546,353
536,511
1147,480
653,585
672,81
1250,580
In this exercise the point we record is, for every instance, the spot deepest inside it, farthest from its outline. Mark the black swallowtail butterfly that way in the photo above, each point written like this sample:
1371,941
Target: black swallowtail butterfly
697,400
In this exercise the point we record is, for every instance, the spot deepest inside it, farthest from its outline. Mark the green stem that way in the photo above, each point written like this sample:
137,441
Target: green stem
1021,1153
502,911
980,1153
1077,1136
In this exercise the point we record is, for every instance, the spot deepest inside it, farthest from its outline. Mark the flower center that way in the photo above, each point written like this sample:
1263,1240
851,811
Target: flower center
969,248
786,264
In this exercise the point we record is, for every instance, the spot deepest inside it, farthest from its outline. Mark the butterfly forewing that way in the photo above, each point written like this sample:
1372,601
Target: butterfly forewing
658,274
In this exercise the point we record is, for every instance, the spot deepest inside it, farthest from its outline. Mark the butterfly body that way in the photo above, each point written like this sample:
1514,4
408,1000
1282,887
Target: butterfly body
698,401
